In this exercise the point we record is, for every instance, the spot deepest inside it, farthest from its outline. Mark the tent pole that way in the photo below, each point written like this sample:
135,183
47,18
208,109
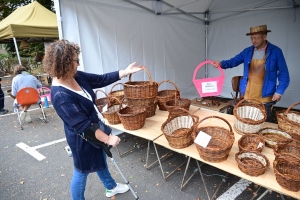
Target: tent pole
59,19
206,39
16,46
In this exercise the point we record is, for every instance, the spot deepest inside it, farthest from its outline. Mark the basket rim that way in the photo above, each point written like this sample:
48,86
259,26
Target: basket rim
255,152
251,135
275,129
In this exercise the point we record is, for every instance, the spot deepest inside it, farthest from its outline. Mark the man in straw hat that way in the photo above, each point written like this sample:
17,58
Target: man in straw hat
264,64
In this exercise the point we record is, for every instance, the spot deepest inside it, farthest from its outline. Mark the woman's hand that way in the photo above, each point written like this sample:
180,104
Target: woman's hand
133,69
113,140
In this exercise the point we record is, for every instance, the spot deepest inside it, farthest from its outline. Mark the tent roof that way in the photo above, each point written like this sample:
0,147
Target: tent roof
30,21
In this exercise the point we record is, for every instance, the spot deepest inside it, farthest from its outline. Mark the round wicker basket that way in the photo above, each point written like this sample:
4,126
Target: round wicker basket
274,136
249,116
119,94
111,113
252,163
166,95
220,144
251,142
177,103
149,103
288,151
101,102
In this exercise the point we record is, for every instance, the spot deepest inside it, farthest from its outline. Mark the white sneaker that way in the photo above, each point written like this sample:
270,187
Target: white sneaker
120,188
27,117
22,115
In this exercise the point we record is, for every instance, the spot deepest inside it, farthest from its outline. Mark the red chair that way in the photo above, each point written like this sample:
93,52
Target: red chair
25,97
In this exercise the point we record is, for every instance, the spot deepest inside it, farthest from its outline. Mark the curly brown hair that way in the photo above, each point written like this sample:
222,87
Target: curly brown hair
58,59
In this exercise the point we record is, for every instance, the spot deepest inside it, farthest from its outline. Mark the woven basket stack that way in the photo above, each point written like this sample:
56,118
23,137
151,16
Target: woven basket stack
118,94
101,102
166,95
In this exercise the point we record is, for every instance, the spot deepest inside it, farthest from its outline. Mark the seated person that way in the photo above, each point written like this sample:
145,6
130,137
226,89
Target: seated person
21,80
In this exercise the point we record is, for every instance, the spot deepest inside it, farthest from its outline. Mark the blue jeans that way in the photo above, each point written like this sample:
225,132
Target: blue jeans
1,98
78,182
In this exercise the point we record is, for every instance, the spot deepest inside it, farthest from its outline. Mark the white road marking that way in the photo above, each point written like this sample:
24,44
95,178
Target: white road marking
13,113
33,150
235,190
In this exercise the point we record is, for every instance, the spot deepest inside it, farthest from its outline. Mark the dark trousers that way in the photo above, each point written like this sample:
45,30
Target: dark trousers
1,99
268,107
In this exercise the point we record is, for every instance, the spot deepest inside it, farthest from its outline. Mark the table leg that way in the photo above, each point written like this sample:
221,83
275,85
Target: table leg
202,179
264,194
183,184
130,150
156,161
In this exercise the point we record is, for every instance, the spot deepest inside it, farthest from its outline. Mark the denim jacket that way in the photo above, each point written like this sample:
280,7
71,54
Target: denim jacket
275,67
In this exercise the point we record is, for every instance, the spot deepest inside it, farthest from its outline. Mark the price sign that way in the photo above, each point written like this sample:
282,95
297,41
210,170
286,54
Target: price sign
259,145
202,139
209,87
104,109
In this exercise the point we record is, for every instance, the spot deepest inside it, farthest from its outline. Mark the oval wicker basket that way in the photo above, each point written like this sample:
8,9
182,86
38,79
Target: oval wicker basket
177,103
119,94
274,136
251,142
220,144
288,151
252,163
287,174
289,121
132,117
140,89
166,95
149,103
249,116
101,102
111,113
178,129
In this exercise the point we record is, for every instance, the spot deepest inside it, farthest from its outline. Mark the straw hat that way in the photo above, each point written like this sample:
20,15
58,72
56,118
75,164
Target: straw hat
258,29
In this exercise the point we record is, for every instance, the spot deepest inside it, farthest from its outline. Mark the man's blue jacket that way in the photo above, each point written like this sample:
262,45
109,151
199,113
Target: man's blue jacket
275,68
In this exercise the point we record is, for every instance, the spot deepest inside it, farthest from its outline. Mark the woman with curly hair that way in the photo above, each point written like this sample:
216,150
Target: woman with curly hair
74,101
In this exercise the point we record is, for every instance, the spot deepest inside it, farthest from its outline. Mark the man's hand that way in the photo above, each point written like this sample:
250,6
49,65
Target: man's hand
216,64
276,97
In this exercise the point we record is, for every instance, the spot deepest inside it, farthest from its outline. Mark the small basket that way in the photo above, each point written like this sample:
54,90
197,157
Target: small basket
287,174
119,94
166,95
101,102
251,142
252,163
274,136
249,117
220,144
288,151
177,103
140,89
132,117
111,113
178,129
289,121
149,103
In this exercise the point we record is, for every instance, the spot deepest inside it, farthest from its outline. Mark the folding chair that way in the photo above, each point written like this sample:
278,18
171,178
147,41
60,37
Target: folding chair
25,97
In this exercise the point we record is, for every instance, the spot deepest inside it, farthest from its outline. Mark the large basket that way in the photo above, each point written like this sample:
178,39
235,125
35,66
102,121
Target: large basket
289,121
149,103
132,117
274,136
111,113
177,103
251,142
140,89
287,174
101,102
166,95
220,144
252,163
178,129
249,116
288,151
119,94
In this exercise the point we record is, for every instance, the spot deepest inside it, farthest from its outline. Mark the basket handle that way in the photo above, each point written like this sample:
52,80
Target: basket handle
114,98
168,81
146,70
114,86
241,101
120,106
218,118
195,118
102,92
295,104
202,64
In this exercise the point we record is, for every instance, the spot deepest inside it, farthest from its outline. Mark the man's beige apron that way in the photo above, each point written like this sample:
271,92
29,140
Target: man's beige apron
256,80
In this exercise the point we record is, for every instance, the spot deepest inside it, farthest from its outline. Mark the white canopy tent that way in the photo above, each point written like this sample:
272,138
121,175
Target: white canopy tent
172,37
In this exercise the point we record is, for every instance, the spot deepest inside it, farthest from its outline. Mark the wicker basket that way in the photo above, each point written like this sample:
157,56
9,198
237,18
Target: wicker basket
101,102
149,103
249,116
166,95
111,113
140,89
289,121
220,144
252,163
132,117
119,94
251,142
177,103
178,129
288,151
274,136
287,174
